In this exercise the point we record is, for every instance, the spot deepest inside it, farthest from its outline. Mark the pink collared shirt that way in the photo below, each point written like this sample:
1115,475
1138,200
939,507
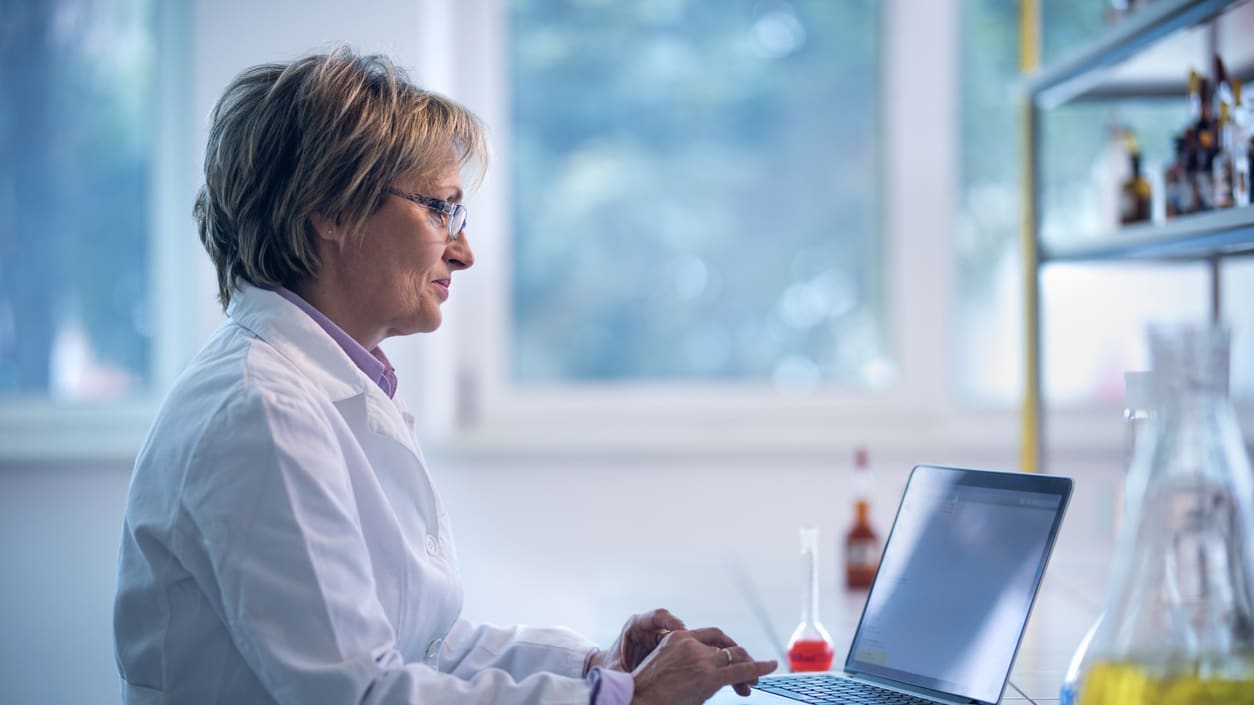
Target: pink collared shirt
373,363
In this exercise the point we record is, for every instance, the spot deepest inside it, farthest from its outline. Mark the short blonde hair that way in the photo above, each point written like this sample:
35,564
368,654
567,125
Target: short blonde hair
326,133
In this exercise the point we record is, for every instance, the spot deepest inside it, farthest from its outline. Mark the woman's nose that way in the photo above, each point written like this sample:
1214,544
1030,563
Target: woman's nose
458,255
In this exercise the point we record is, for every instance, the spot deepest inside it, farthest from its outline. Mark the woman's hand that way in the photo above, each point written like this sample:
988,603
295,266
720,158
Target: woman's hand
687,667
640,636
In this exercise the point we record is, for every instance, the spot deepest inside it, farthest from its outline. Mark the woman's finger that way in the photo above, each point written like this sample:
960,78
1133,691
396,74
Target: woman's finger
733,655
738,675
723,657
661,620
712,636
746,671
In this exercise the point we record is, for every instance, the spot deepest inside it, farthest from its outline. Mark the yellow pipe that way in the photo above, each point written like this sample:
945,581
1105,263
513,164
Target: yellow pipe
1029,60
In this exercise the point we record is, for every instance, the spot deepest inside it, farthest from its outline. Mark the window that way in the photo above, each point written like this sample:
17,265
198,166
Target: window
96,238
695,193
77,128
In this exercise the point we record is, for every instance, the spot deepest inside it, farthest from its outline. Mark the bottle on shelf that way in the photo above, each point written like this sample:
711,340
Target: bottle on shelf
810,648
1204,129
1241,133
1188,189
1203,172
1223,86
1223,177
1187,198
862,542
1174,183
1249,172
1109,171
1206,107
1135,196
1180,600
1195,99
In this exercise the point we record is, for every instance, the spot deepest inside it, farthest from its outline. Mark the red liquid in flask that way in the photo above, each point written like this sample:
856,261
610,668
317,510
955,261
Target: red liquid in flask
810,655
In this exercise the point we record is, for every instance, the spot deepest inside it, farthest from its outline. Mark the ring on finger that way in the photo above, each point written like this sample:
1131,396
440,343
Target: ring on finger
727,652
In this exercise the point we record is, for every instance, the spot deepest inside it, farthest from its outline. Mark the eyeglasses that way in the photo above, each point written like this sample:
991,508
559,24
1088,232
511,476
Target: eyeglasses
455,213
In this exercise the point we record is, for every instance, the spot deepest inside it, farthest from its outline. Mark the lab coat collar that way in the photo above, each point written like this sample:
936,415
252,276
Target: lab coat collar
299,338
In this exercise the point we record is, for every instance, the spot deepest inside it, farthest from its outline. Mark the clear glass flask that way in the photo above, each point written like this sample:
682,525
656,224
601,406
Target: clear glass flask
1178,625
1137,408
810,648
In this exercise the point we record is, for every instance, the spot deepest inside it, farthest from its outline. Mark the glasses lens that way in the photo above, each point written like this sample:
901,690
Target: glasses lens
457,221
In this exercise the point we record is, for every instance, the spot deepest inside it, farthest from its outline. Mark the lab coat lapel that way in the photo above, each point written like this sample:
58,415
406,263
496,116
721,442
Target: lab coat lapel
299,338
378,423
396,460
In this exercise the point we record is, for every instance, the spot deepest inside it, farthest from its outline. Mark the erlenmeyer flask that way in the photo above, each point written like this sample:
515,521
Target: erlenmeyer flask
1137,410
1178,624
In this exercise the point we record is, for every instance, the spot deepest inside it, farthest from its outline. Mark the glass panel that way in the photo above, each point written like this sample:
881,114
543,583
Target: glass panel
76,129
1067,24
989,305
695,190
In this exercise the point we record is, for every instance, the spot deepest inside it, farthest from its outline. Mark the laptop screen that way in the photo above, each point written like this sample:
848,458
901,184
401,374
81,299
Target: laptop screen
957,579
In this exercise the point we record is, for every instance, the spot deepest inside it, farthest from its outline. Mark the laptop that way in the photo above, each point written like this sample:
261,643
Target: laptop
943,620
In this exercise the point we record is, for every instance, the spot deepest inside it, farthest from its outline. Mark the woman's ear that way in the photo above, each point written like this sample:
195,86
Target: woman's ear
325,227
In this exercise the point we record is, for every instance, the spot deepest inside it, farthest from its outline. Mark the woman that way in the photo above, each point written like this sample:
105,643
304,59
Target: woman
283,541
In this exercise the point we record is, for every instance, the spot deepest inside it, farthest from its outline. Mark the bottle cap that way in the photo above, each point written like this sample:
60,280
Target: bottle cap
860,458
1138,390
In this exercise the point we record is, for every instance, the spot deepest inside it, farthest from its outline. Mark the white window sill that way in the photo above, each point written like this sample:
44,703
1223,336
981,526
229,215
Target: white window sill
45,430
786,430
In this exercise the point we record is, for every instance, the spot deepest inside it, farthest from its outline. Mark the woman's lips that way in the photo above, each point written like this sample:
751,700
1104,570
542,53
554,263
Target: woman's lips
442,285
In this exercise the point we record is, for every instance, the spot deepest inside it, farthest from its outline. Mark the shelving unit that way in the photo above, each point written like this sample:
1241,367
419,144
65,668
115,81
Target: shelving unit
1146,55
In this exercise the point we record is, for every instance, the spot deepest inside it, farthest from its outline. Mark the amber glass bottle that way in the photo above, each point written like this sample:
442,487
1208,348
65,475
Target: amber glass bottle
1135,200
862,543
1173,181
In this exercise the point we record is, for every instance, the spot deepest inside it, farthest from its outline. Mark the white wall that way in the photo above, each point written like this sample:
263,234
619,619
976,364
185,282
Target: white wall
59,530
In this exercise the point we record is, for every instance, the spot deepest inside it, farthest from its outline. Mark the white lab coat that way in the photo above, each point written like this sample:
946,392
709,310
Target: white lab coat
283,543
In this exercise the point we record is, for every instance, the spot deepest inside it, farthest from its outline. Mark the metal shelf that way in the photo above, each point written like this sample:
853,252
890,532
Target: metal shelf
1149,53
1219,233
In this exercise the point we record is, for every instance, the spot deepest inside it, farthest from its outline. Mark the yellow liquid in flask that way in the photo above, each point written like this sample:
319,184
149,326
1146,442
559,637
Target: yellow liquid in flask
1113,683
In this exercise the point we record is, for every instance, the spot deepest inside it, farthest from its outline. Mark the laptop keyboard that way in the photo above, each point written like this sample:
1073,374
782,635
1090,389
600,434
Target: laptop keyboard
828,690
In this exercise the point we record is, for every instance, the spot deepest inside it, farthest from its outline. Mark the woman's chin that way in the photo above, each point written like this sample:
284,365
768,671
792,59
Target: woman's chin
422,324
